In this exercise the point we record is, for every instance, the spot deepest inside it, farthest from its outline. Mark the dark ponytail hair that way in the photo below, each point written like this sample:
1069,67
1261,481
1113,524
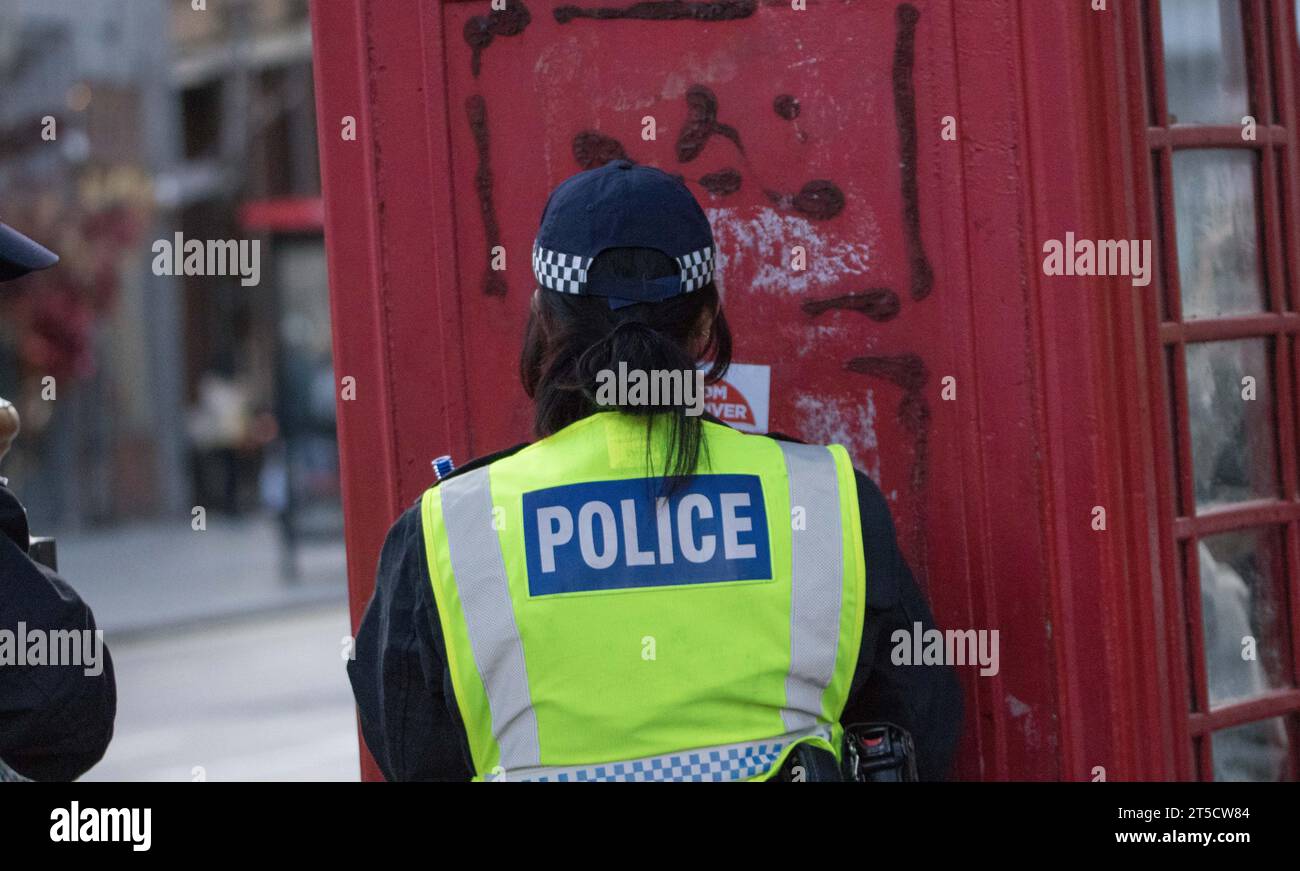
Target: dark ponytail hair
571,338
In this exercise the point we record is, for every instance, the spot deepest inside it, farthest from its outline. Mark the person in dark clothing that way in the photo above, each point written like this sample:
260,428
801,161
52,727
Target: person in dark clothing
56,716
633,290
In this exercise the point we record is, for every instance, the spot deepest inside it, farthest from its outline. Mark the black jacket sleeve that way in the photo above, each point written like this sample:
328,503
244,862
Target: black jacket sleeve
55,720
408,711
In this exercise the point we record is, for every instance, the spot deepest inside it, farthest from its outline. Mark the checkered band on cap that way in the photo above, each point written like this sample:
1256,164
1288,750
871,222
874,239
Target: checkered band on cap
697,269
567,273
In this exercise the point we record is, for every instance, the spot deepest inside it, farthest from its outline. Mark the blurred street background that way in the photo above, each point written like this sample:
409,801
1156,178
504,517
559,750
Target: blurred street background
144,396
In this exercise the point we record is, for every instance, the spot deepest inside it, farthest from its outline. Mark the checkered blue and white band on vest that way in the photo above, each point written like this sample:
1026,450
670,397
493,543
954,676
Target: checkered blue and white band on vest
567,273
720,764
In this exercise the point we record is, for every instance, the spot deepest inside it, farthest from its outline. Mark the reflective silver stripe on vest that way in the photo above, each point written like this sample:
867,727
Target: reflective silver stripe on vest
480,570
816,582
724,762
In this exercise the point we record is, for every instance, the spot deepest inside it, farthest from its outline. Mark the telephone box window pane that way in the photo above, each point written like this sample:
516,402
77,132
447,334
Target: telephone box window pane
1230,417
1205,61
1217,230
1243,614
1159,249
1185,502
1251,752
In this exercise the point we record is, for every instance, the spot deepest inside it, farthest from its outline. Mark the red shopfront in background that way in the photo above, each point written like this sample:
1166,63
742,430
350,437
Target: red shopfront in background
917,157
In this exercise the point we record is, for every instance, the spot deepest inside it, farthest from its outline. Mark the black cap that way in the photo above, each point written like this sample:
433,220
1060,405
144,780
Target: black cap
20,255
622,205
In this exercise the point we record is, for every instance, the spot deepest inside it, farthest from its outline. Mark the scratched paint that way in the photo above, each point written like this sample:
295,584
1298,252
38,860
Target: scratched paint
758,241
1022,715
716,68
812,340
844,421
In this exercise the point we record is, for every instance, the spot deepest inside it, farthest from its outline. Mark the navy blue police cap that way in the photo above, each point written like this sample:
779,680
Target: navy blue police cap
622,205
20,255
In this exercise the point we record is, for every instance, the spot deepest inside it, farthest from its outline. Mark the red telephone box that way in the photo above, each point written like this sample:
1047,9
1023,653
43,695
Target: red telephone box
883,179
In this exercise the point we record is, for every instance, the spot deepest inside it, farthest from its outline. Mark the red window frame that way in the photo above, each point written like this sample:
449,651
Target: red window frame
1269,29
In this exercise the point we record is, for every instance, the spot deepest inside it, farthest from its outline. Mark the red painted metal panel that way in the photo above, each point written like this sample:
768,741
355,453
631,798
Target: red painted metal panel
923,264
366,452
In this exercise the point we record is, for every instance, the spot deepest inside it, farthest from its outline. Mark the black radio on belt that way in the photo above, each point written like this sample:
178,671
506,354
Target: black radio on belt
873,753
878,753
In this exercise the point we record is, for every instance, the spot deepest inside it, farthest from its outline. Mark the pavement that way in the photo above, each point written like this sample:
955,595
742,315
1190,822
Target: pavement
139,577
225,670
256,698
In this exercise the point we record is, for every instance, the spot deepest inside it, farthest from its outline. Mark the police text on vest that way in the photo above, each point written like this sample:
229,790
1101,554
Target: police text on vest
605,535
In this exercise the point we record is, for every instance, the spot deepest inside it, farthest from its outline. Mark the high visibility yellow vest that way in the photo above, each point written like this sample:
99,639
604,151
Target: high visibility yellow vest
596,630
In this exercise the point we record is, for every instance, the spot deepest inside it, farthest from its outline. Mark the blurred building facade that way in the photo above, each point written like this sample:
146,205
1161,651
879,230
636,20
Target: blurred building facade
170,391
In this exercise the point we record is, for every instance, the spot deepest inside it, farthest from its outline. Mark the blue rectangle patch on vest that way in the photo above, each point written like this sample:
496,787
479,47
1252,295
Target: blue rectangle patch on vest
611,535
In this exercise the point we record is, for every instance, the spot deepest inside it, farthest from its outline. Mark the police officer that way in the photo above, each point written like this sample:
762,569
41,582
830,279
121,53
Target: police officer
56,719
642,593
